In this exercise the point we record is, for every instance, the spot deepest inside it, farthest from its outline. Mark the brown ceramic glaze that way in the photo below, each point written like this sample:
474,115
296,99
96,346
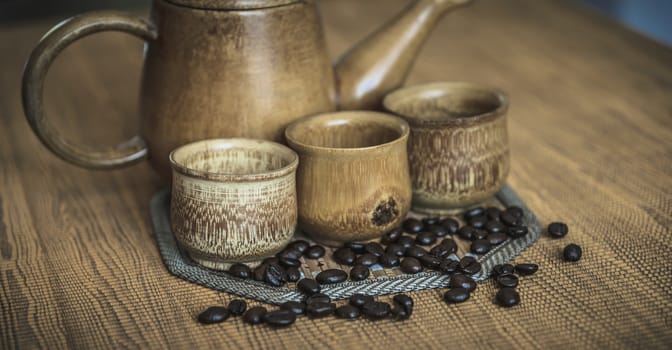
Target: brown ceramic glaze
232,68
353,181
233,200
458,148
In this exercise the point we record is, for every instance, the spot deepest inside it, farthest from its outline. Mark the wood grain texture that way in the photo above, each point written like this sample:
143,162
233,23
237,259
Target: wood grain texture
590,129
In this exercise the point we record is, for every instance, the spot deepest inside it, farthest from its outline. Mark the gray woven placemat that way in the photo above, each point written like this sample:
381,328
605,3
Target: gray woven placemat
180,265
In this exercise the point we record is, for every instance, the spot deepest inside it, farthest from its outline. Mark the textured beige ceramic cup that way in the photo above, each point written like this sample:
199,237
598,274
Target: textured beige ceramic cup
233,200
353,181
458,148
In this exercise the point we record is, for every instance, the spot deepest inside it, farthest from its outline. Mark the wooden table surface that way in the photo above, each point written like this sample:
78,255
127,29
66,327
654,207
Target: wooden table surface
591,143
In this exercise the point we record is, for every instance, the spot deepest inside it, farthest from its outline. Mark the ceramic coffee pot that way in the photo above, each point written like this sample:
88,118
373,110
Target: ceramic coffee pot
232,68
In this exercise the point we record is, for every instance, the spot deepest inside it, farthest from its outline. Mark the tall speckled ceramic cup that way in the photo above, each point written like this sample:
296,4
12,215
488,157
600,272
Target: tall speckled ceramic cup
233,200
458,148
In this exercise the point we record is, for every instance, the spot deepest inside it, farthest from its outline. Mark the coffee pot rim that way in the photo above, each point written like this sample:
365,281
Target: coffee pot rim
231,4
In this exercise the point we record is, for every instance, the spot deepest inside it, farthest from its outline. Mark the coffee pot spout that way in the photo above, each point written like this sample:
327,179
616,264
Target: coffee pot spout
380,62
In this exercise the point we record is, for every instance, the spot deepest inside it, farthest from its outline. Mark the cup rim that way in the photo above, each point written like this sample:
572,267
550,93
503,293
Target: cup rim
404,130
404,94
228,143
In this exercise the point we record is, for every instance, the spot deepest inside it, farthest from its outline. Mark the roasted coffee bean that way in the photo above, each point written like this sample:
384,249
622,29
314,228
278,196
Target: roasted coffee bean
288,253
366,260
456,295
493,226
320,309
526,269
492,213
315,252
280,318
411,225
240,270
469,265
331,276
507,297
502,269
309,286
517,231
345,256
374,248
298,308
376,310
398,313
293,274
507,280
572,252
410,265
271,260
416,252
466,232
497,238
439,251
450,245
275,275
406,241
317,298
359,300
437,230
557,229
404,304
451,225
255,315
509,219
448,266
359,273
299,245
213,314
425,238
430,221
348,312
515,211
458,280
430,261
259,272
480,246
391,236
287,262
237,307
479,234
395,249
356,247
478,221
389,260
473,212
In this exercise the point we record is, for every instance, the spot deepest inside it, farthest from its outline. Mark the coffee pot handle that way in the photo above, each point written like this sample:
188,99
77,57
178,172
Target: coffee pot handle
57,39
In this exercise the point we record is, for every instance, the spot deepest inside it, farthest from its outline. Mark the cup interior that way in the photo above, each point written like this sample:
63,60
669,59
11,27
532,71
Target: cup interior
347,130
234,158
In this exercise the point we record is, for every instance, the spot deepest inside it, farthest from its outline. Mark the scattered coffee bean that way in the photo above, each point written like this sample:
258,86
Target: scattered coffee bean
213,314
428,221
466,260
279,318
425,238
497,238
508,297
473,212
458,280
359,300
403,306
492,213
293,274
388,260
456,295
502,269
308,286
416,252
287,262
237,307
466,232
374,248
509,219
526,269
440,251
478,221
395,249
557,229
317,297
300,245
451,225
275,275
289,253
406,241
517,231
391,236
331,276
320,309
507,280
298,308
255,315
480,246
572,252
347,312
376,310
469,265
430,261
411,225
259,272
345,256
494,227
448,266
356,247
366,260
479,234
437,230
515,211
359,273
450,245
240,270
315,252
410,265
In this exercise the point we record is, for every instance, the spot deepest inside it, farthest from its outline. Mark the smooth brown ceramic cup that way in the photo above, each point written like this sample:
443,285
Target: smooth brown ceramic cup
353,181
233,200
458,148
